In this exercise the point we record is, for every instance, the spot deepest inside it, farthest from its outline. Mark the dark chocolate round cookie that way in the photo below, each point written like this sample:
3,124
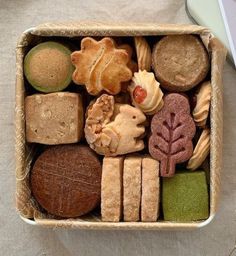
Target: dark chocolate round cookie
66,180
180,62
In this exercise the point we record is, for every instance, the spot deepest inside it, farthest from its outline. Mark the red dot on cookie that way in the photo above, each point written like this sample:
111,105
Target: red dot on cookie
139,94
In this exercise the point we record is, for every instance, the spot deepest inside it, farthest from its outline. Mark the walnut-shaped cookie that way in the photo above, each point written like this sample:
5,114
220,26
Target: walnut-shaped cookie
100,66
113,129
145,92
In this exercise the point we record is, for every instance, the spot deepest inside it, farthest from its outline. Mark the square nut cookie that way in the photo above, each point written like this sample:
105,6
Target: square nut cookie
54,118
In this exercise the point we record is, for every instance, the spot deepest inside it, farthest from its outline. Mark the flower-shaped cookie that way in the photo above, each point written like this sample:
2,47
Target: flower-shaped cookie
100,66
145,92
113,129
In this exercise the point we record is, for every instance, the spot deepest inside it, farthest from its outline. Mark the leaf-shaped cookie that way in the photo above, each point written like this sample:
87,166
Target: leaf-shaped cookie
100,66
172,131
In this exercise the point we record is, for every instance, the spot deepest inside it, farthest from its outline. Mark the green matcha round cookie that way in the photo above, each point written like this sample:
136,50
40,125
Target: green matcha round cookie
48,67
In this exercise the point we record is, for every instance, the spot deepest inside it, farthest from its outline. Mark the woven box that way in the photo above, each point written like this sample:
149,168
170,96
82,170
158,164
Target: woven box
25,152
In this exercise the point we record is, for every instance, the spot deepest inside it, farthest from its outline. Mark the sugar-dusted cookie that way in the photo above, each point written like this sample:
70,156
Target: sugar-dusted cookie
172,130
48,67
201,151
150,189
111,192
201,110
100,66
185,197
66,180
54,118
145,92
143,52
180,62
132,188
113,129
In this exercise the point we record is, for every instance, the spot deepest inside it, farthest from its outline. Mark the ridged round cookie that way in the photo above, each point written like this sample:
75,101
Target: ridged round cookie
48,67
180,62
66,180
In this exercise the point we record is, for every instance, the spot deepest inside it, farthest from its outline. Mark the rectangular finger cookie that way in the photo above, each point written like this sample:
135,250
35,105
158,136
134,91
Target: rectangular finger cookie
150,189
132,188
111,190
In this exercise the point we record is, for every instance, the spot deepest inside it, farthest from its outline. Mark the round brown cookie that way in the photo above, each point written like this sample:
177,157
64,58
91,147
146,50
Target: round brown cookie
180,62
66,180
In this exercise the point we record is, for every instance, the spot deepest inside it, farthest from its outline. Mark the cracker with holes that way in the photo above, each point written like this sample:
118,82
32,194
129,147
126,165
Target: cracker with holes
113,129
172,130
54,118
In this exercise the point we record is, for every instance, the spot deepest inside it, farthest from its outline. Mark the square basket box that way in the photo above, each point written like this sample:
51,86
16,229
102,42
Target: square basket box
25,152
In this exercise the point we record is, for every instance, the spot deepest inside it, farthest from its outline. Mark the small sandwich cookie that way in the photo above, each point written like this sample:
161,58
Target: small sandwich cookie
150,189
111,191
132,188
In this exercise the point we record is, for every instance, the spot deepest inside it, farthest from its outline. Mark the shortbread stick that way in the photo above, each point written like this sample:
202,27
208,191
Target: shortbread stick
111,195
132,188
150,189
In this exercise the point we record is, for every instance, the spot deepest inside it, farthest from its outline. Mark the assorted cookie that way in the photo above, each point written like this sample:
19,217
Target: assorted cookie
111,191
100,65
201,151
172,131
185,197
66,180
180,62
48,68
130,189
202,108
143,52
54,118
145,92
113,129
150,194
130,99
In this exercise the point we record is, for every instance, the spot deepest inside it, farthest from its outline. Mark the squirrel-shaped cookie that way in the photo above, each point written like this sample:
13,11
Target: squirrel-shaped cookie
113,129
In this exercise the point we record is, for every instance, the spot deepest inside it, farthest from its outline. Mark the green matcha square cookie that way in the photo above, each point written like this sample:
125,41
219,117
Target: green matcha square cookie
185,197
